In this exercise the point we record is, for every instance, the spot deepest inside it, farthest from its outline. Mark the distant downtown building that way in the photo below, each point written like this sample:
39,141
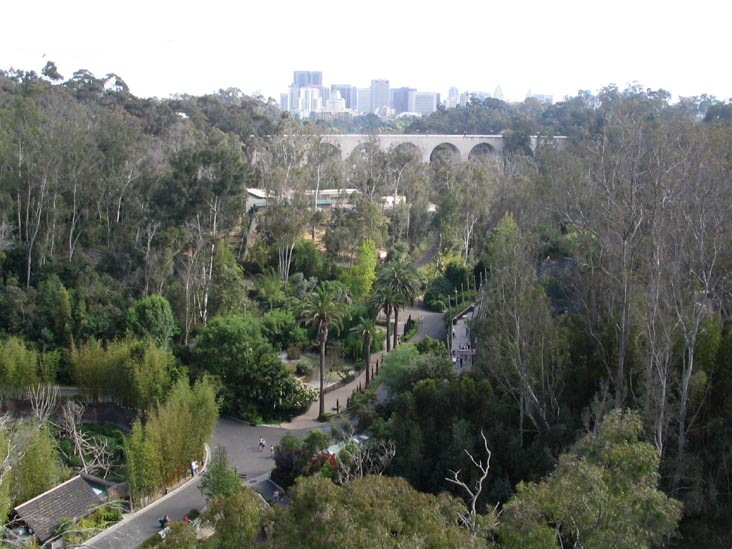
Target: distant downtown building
379,96
400,99
308,97
305,95
363,100
348,93
453,98
306,79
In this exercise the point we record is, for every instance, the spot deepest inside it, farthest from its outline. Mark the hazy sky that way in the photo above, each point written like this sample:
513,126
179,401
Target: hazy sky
161,47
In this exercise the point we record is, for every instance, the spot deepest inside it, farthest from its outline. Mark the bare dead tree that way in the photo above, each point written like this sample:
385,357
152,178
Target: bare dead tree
469,517
8,448
43,399
368,458
11,538
94,453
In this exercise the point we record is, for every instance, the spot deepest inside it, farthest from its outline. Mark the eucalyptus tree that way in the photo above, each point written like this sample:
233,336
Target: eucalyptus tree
368,172
521,348
280,170
123,144
603,493
371,512
81,159
403,164
475,189
325,308
205,194
697,241
21,169
406,183
603,197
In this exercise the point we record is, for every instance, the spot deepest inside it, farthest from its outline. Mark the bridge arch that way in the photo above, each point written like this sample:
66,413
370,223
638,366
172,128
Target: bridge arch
482,151
359,152
445,152
407,148
427,143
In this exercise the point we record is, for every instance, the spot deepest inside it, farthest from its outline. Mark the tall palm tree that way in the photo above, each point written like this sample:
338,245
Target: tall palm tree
383,297
366,328
400,278
324,308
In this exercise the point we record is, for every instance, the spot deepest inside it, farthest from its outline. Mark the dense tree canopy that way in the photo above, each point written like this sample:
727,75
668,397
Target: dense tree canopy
371,512
606,286
602,494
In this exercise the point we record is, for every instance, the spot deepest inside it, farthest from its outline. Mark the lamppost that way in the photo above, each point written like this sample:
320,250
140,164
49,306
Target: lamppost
449,315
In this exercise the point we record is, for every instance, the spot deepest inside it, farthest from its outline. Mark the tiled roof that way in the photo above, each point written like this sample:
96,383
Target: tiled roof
73,499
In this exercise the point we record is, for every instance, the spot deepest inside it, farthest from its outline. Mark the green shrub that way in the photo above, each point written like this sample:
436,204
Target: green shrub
108,514
304,368
436,305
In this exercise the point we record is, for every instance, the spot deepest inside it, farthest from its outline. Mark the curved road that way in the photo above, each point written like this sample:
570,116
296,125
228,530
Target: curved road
241,441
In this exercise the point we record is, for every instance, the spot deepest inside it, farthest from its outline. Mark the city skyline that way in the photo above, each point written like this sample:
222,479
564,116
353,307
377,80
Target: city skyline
308,95
162,48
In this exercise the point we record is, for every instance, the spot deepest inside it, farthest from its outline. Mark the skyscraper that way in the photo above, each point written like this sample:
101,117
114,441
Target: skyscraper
453,98
363,100
306,93
400,99
379,95
309,101
422,102
348,93
305,79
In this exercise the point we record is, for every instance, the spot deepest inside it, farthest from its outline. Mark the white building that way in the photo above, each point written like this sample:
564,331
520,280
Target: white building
453,98
363,100
309,100
335,103
422,102
379,95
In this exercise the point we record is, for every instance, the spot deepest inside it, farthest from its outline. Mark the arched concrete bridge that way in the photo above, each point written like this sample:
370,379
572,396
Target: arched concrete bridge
461,145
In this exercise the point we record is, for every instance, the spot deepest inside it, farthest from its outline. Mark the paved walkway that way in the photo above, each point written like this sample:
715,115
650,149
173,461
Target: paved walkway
431,325
241,441
461,351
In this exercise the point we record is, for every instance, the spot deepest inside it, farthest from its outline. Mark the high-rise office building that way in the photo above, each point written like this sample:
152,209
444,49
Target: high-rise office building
453,98
305,94
423,102
363,100
379,95
348,93
309,101
400,99
305,79
335,103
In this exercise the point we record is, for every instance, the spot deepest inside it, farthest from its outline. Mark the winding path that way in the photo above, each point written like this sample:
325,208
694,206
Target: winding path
241,441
